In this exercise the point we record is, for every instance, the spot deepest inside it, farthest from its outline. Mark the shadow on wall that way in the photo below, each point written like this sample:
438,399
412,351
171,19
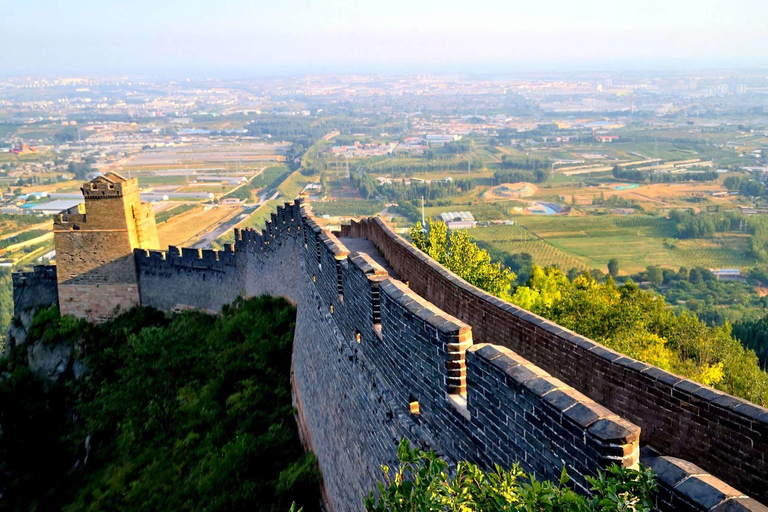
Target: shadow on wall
374,360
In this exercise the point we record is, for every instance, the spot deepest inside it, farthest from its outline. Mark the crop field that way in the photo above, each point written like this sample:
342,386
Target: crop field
514,239
12,224
25,239
204,155
501,210
30,255
174,210
184,228
269,175
636,241
347,208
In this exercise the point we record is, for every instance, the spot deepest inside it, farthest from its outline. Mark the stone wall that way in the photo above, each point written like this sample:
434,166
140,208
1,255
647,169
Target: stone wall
97,302
96,269
377,359
179,279
723,434
374,362
36,289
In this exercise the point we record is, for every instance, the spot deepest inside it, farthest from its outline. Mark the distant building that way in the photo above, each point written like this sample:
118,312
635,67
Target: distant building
23,149
458,220
726,274
437,139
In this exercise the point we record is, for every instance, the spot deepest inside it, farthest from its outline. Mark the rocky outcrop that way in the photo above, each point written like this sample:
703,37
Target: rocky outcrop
49,362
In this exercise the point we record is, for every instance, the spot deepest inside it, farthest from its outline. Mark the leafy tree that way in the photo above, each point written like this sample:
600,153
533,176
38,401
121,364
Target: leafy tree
521,264
613,267
464,257
753,334
655,276
640,325
6,302
423,482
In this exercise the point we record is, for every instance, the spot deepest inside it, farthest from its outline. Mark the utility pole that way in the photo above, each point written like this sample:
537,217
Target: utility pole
423,221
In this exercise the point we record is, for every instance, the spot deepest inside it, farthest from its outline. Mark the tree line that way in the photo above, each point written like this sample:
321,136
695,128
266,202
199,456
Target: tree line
627,174
624,317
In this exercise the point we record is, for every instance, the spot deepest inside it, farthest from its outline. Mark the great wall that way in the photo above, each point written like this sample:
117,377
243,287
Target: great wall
388,344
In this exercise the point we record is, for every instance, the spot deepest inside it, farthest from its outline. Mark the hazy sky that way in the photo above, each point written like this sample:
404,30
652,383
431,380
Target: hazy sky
253,37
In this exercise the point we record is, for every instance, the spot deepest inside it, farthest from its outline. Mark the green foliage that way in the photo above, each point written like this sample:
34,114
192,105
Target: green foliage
745,186
6,302
753,334
181,412
22,237
461,255
511,174
639,324
435,190
423,482
628,174
613,267
409,167
172,212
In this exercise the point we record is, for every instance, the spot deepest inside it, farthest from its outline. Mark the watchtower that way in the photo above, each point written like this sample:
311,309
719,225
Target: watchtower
96,270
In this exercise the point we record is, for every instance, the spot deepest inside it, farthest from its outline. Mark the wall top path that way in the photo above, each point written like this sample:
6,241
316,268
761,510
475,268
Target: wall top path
722,434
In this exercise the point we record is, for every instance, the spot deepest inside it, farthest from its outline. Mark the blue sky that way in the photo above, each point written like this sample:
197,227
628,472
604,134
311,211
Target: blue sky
251,38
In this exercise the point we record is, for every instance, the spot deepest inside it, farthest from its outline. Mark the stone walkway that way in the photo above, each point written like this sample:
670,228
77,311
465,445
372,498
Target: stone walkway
366,246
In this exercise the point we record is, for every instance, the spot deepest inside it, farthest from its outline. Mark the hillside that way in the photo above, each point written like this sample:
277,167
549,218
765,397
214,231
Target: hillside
154,412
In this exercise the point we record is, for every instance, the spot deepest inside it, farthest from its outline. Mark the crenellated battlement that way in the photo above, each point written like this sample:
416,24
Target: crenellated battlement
388,344
487,402
201,259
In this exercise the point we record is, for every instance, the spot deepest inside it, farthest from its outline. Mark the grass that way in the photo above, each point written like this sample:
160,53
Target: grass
482,211
255,220
294,184
269,175
636,241
174,210
515,239
347,207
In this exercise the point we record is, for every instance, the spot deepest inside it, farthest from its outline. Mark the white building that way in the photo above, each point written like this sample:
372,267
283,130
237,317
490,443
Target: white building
458,220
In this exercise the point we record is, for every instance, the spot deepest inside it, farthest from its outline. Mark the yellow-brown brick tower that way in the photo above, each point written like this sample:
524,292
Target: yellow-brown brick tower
95,266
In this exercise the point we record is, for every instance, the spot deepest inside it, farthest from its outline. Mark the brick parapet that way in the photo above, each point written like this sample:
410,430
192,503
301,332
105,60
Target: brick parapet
526,400
685,487
416,350
402,340
35,289
726,435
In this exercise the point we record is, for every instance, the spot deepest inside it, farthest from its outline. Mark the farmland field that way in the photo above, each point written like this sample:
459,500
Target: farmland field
183,229
174,210
637,242
514,239
347,207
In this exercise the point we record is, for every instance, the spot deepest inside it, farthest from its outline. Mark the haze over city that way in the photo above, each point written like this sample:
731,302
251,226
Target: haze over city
240,38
